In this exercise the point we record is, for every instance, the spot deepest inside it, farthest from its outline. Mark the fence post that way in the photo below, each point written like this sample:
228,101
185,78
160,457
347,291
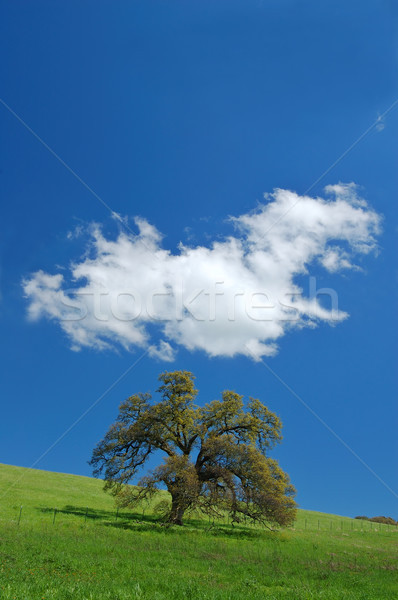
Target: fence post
20,513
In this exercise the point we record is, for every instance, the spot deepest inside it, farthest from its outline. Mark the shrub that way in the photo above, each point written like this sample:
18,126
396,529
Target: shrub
385,520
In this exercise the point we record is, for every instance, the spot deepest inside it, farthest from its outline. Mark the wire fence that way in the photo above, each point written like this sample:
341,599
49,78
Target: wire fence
85,515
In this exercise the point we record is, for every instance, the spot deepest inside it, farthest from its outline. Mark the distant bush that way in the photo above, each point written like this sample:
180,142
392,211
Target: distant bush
385,520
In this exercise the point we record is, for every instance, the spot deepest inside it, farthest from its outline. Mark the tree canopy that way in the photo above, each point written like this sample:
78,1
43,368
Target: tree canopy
215,456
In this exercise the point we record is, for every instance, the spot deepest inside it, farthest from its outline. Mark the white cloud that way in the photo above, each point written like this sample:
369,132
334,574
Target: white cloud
380,124
163,351
75,233
237,296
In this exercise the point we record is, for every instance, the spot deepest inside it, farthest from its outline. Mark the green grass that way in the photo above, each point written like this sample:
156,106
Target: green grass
91,555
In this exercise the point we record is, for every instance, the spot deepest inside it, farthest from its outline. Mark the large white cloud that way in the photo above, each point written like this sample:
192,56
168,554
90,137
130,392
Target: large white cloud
237,296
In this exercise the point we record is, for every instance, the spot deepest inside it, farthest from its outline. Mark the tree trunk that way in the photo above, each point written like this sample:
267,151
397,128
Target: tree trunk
177,511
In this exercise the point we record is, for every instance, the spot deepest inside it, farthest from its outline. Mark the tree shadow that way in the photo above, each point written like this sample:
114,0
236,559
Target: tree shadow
109,517
139,521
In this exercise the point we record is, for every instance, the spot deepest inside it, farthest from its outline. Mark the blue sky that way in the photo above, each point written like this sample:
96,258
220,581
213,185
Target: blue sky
185,114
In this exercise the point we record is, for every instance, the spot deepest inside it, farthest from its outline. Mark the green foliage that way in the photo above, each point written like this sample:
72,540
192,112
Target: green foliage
215,456
385,520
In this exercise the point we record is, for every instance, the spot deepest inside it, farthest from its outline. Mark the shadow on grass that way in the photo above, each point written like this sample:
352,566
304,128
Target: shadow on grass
108,516
137,521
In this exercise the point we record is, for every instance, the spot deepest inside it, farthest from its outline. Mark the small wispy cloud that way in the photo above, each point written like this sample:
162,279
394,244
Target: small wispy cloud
75,233
380,123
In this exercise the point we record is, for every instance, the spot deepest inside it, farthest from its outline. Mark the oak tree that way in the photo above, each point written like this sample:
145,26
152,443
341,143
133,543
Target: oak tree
215,456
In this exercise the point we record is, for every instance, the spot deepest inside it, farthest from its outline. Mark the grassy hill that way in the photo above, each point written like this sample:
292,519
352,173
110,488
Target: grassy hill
84,550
